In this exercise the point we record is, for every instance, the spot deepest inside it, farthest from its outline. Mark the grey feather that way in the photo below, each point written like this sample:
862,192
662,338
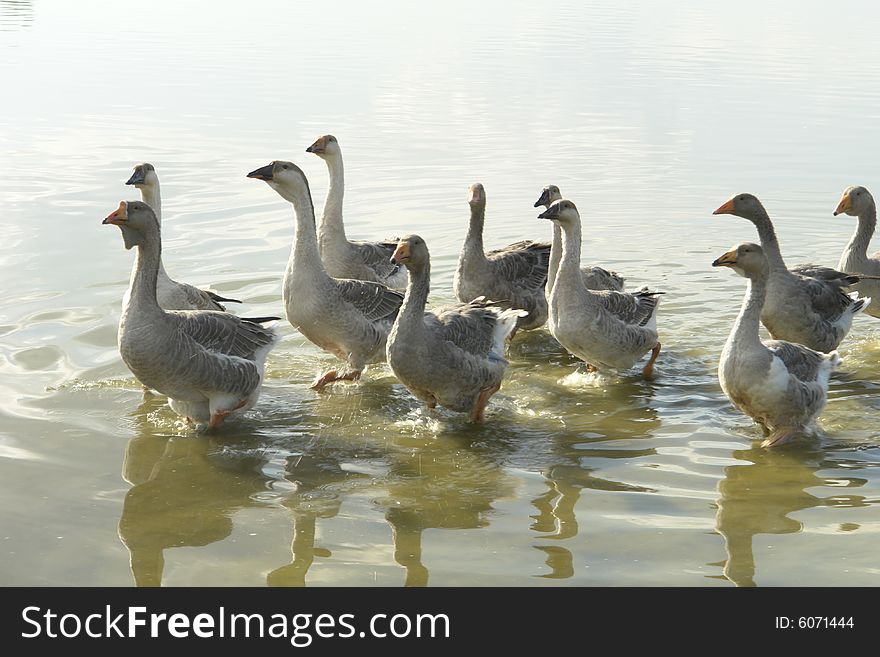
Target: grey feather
377,256
374,300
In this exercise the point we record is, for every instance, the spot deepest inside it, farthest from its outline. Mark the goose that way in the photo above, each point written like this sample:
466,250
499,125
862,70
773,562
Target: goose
171,294
361,260
595,278
858,201
782,385
346,317
602,327
209,363
514,275
805,304
452,356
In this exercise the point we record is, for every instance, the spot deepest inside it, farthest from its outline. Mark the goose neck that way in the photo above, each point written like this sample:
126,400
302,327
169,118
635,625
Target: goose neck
867,222
410,319
769,242
569,266
142,285
745,329
332,228
555,256
473,241
152,196
305,256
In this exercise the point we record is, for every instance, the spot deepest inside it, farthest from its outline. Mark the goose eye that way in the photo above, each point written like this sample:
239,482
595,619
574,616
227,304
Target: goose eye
284,166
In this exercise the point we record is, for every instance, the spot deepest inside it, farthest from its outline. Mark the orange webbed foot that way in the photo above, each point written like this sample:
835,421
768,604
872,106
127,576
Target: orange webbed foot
478,411
648,371
333,375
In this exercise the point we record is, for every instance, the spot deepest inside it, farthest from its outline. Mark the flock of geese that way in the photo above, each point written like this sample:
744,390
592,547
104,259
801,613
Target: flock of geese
345,297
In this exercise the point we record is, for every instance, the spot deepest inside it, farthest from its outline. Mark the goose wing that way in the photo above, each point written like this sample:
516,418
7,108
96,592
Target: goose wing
523,263
377,256
827,299
636,309
216,298
224,333
598,278
192,298
470,326
802,362
808,371
374,300
825,274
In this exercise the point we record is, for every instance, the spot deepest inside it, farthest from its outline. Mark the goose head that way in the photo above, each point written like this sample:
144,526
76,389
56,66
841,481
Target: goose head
562,211
412,253
477,196
745,259
324,146
549,194
746,206
144,175
284,177
855,201
136,220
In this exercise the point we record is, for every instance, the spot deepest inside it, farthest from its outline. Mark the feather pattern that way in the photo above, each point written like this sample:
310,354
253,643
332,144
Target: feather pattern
637,308
374,300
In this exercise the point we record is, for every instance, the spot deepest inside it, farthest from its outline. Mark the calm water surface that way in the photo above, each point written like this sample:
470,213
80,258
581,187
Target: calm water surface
647,116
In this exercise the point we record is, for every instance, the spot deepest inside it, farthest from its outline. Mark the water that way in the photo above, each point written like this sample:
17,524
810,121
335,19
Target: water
647,115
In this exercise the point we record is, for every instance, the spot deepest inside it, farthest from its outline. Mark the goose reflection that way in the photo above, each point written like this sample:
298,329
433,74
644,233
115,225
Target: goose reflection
759,497
182,495
447,483
571,474
317,478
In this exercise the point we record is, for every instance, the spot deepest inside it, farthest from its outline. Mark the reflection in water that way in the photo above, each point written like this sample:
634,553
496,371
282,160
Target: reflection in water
442,484
758,498
186,489
556,507
15,14
182,496
559,560
316,481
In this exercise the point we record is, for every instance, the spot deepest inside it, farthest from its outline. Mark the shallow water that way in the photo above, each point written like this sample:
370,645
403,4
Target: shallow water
647,116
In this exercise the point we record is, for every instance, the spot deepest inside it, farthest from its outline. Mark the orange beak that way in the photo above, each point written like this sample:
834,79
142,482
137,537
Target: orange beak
726,260
401,253
845,204
476,193
727,208
318,147
119,216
